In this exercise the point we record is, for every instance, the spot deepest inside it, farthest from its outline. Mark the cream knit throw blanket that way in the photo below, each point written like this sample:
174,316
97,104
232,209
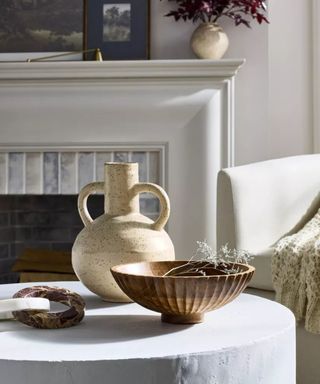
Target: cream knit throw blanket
296,273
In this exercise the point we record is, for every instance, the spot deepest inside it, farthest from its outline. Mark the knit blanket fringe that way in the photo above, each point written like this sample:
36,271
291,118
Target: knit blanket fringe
296,273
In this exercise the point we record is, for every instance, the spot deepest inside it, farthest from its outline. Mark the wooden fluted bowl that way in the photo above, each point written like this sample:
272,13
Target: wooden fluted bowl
180,299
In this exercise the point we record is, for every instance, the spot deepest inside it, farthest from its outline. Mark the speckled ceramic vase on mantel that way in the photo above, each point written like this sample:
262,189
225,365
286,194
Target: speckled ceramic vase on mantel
122,234
209,41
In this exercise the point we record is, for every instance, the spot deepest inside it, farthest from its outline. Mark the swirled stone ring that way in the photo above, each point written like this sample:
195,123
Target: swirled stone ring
52,320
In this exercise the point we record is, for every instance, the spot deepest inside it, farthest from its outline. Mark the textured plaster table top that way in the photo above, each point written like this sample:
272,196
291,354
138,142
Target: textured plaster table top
249,341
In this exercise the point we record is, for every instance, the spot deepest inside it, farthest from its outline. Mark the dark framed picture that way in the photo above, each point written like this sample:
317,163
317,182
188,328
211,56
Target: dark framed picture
120,28
39,26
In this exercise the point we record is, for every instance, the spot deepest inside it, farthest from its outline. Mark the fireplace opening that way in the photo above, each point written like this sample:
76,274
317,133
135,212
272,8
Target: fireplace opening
38,223
37,233
39,219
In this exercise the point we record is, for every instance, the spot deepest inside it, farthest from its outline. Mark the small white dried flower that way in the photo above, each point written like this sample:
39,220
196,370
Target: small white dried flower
205,252
225,259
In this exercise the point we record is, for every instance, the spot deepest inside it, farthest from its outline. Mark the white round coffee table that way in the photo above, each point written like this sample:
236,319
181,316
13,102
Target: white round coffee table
249,341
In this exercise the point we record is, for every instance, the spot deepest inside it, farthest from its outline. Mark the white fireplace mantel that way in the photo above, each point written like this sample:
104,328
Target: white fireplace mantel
184,108
83,70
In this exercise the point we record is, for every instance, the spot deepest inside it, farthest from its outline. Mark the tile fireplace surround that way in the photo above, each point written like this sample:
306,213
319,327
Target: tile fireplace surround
61,120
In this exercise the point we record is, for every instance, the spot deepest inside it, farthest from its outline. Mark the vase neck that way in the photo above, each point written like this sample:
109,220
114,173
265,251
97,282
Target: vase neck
119,179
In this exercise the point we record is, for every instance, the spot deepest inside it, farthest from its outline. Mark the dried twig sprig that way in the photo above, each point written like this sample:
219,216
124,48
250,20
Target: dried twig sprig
240,11
225,261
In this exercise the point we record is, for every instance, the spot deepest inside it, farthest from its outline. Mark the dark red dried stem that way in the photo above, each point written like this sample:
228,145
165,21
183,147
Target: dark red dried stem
240,11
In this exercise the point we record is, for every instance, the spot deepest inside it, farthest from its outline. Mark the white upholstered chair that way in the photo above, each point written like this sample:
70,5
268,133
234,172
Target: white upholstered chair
257,205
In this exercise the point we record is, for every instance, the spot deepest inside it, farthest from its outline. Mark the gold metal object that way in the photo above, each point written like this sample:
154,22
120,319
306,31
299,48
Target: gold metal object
97,57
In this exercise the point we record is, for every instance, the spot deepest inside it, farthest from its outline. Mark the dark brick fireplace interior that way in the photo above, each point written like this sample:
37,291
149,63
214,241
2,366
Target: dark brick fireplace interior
38,222
48,222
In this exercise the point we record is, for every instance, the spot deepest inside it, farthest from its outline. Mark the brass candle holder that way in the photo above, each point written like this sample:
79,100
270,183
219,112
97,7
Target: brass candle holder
97,55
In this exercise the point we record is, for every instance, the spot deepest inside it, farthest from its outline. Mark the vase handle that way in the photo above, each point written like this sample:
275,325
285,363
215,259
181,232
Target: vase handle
161,194
89,189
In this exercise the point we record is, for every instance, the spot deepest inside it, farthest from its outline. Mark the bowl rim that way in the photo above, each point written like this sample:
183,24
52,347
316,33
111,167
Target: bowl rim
250,269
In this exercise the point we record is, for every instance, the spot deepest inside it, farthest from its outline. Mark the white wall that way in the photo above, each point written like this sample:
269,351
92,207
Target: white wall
290,78
273,89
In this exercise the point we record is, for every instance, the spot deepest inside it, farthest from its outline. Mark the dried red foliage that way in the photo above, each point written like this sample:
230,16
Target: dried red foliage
212,10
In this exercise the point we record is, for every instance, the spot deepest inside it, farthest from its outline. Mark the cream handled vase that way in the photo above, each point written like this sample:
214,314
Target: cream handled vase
122,235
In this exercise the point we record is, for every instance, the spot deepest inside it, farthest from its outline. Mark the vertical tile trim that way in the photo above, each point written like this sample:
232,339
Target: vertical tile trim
21,183
94,160
24,172
33,164
51,175
68,173
15,172
148,164
76,160
41,173
59,173
7,172
4,180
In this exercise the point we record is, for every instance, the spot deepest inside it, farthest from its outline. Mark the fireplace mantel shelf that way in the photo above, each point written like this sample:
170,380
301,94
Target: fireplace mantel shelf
226,68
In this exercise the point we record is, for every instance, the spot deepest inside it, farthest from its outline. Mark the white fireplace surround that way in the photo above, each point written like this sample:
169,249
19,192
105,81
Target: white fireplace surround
182,109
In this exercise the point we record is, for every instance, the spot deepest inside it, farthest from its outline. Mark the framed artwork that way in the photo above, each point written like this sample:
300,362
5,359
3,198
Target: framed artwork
32,27
120,28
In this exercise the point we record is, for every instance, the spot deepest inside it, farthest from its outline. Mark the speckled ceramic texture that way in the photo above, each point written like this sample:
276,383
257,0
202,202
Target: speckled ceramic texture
122,235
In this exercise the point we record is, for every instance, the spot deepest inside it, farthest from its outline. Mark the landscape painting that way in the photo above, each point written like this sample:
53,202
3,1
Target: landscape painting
119,28
116,22
41,25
